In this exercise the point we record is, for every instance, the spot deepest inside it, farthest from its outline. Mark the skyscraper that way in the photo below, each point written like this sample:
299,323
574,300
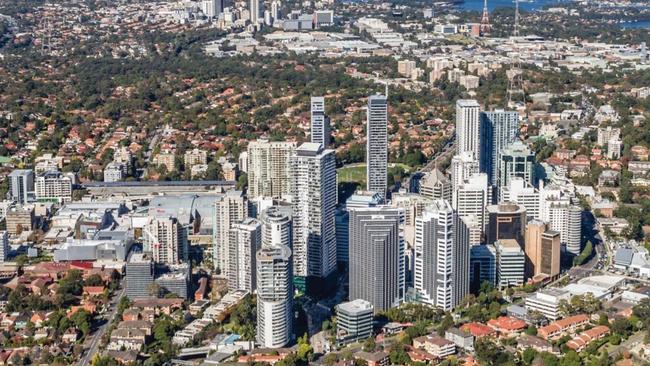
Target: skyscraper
463,166
229,208
166,238
268,173
320,123
377,266
516,160
274,296
441,270
254,9
377,144
275,10
567,220
139,276
472,196
499,129
542,250
276,227
468,131
506,221
21,185
314,197
245,240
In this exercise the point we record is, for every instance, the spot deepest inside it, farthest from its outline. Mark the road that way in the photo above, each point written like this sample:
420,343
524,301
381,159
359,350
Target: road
97,336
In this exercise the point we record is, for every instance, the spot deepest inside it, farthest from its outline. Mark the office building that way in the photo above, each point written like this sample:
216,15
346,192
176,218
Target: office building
230,208
353,321
276,227
463,166
245,240
212,8
441,269
173,279
53,186
522,193
314,197
506,221
274,296
516,160
469,231
567,220
361,199
510,263
114,172
499,129
4,246
342,219
547,302
268,174
139,276
254,9
275,10
472,196
19,219
320,123
542,250
21,186
482,266
436,186
377,266
468,131
166,238
377,144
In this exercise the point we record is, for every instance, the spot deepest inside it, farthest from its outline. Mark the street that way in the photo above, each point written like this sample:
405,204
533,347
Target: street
99,333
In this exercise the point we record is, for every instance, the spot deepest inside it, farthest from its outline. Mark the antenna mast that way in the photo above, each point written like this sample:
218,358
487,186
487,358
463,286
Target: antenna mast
485,19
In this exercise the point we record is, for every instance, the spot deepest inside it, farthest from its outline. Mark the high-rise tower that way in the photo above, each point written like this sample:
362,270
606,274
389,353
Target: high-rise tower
320,123
377,144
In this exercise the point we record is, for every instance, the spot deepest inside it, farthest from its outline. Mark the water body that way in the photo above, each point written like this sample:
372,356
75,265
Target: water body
527,5
636,25
532,5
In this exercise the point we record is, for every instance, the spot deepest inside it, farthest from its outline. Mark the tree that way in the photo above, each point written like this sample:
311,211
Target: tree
531,330
398,355
447,322
369,344
528,356
94,280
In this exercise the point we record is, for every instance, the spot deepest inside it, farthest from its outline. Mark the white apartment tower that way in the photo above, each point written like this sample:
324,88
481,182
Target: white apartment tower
230,208
274,296
468,131
268,174
276,227
377,144
53,186
463,166
567,220
313,198
441,269
245,241
320,123
166,239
